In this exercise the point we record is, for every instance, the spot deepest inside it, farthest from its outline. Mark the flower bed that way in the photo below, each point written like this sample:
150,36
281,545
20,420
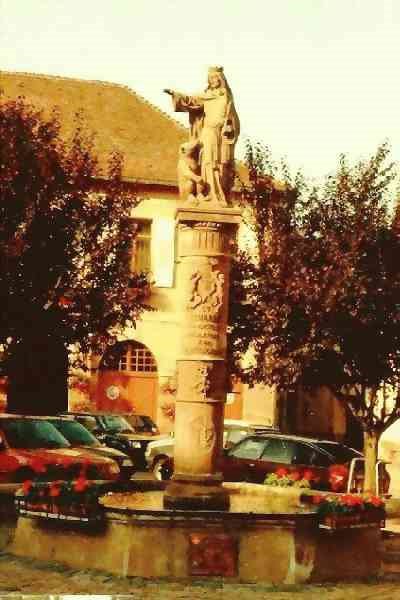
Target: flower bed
285,478
72,501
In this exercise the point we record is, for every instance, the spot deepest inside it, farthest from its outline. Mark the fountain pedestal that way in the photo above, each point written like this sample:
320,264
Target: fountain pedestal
205,238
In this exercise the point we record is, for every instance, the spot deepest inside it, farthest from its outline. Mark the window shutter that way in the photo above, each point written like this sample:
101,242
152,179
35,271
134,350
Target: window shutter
163,251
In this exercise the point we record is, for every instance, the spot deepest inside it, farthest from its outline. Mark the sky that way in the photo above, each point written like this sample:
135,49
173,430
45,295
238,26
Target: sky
311,78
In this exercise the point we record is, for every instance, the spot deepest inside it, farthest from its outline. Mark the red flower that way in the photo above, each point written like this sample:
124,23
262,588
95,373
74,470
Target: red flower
317,499
375,501
54,490
38,465
26,486
64,302
308,475
281,472
81,484
337,477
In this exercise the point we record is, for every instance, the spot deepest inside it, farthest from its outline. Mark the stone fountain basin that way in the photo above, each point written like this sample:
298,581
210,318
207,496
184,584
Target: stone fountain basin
268,536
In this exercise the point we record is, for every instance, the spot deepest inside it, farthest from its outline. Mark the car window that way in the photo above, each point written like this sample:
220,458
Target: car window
232,436
31,434
116,424
76,433
339,452
141,423
279,450
250,448
88,422
308,455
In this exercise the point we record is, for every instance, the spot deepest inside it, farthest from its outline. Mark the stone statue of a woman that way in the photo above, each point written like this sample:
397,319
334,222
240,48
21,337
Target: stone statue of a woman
214,126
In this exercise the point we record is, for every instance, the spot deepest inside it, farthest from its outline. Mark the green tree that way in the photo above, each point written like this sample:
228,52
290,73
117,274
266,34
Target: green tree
319,301
66,237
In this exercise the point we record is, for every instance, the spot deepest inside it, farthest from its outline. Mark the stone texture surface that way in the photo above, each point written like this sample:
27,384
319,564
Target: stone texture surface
23,576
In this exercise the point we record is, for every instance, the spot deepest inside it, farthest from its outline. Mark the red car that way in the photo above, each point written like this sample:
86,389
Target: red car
325,464
32,448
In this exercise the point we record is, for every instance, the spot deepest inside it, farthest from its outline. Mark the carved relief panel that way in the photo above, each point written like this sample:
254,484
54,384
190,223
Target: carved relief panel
201,381
205,307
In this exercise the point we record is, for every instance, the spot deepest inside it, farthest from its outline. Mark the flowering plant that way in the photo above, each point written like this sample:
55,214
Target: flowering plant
338,475
347,504
285,478
80,491
168,409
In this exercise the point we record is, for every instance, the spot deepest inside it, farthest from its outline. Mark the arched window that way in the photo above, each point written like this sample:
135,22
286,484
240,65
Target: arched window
132,357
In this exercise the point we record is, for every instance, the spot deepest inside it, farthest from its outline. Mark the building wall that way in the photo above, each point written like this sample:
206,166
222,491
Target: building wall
315,413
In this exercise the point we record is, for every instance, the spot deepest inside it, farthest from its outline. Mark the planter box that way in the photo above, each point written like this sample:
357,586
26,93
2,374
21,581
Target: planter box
86,513
373,518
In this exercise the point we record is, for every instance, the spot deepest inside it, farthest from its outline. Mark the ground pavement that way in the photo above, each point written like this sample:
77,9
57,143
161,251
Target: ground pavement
25,576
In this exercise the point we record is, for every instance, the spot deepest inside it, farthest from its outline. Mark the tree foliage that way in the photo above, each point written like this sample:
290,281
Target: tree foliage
318,303
66,238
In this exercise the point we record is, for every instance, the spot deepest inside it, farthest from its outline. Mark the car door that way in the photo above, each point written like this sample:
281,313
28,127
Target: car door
239,461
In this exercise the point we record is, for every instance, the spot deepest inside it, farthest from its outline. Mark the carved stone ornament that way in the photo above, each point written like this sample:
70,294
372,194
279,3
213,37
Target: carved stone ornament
204,433
206,292
201,382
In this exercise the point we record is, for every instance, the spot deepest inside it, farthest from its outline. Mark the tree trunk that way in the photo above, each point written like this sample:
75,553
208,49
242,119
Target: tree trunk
37,377
371,439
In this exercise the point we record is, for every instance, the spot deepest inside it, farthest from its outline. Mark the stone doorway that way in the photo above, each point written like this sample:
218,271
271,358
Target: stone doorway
128,380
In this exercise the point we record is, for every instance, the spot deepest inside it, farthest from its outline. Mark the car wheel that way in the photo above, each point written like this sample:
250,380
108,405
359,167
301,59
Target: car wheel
161,469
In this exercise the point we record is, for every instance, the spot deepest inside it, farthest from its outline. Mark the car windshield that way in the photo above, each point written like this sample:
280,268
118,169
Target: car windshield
87,422
31,434
116,424
141,422
76,433
339,452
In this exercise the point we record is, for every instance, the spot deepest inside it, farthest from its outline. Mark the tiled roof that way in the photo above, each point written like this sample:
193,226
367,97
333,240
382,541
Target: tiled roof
122,121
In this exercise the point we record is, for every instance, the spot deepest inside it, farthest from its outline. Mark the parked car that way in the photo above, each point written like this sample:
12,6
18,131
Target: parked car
115,431
80,437
32,448
160,452
325,463
142,423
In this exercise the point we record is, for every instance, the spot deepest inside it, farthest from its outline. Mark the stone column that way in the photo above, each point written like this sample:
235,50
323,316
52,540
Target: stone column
205,237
